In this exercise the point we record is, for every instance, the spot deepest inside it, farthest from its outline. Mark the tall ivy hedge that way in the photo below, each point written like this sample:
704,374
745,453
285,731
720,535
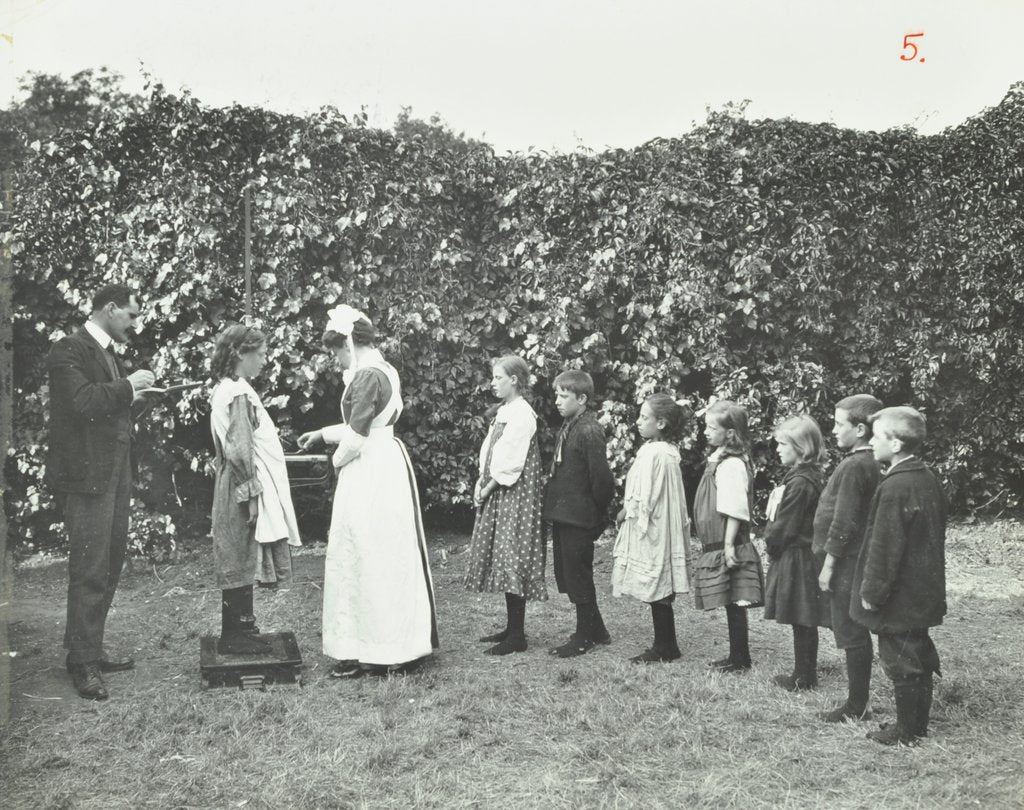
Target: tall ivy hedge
780,263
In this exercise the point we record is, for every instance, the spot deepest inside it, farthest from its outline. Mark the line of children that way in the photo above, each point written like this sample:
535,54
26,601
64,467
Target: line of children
864,554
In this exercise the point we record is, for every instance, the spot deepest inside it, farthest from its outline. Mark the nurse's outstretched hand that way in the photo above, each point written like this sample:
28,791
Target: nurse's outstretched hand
311,439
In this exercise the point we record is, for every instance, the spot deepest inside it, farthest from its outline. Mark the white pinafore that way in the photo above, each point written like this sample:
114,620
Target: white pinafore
378,592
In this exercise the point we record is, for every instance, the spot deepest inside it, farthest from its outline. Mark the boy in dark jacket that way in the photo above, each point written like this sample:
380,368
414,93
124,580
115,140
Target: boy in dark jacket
839,525
899,586
576,501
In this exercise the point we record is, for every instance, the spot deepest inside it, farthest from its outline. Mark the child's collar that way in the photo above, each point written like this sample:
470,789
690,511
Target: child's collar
894,464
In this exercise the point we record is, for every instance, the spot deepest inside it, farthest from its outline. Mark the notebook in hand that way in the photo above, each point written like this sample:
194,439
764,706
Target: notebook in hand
172,388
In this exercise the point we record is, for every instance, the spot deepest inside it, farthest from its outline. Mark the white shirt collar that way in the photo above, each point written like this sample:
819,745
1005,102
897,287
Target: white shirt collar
99,334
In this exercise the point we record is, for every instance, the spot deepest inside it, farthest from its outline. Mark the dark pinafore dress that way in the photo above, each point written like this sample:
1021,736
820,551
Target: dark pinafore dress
714,585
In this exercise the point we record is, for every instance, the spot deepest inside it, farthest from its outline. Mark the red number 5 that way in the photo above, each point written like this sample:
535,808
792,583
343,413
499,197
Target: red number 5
908,44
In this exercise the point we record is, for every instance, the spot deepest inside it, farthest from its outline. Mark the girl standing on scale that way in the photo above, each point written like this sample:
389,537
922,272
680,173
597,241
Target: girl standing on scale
253,521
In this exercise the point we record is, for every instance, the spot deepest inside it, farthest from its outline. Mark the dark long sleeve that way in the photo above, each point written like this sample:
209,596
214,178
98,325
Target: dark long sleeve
599,473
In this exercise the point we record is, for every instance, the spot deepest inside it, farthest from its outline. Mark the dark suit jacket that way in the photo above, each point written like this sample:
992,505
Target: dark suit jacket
90,415
581,485
902,566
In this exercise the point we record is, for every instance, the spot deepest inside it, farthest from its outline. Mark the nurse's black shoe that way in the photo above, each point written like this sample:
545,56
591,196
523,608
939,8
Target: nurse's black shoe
347,669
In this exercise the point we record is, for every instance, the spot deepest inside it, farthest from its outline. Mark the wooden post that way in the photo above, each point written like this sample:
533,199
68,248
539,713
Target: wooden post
6,436
246,194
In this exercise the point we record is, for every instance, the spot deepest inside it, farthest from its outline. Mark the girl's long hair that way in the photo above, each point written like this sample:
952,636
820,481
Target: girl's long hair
514,366
730,416
235,340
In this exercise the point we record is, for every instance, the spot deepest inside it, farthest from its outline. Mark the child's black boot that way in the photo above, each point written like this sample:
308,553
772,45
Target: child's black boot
904,730
805,661
738,659
515,634
665,647
235,633
858,673
590,631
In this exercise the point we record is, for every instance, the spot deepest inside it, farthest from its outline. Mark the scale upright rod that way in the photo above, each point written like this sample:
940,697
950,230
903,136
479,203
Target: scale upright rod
248,254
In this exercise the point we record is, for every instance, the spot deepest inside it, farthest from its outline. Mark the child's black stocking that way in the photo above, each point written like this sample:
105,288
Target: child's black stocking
590,624
858,672
739,636
805,660
805,648
515,638
924,703
664,629
598,632
665,647
583,620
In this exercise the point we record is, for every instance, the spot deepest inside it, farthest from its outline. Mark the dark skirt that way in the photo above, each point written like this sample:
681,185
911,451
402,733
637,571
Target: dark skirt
792,595
716,586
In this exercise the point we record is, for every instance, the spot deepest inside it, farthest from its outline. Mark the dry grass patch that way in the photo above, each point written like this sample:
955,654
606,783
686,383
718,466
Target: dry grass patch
469,730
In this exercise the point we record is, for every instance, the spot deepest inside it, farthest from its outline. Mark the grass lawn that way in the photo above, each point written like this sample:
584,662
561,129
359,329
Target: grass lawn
469,730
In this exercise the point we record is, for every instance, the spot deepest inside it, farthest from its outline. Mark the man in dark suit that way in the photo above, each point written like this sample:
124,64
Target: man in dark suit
92,403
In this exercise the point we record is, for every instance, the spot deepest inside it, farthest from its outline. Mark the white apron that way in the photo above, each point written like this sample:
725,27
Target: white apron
378,593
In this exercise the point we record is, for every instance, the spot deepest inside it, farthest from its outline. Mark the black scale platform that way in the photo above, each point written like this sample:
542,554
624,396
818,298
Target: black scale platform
281,665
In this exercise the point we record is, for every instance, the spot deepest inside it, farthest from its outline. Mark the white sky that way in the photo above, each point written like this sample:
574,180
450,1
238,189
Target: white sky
543,73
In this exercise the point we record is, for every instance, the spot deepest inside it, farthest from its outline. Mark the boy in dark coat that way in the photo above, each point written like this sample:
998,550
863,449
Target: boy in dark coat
839,525
576,501
899,586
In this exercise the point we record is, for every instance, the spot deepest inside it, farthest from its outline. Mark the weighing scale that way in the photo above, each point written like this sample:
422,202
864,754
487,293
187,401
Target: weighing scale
281,664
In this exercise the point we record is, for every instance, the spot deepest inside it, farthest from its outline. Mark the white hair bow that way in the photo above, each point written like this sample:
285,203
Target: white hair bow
342,318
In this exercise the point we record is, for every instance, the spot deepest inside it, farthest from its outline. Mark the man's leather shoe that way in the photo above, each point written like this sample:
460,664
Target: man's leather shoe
109,663
87,680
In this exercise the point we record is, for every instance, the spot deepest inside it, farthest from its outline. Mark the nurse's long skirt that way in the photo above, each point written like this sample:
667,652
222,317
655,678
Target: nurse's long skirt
378,593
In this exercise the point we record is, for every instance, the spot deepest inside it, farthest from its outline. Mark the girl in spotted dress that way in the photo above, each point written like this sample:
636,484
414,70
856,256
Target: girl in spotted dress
507,550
